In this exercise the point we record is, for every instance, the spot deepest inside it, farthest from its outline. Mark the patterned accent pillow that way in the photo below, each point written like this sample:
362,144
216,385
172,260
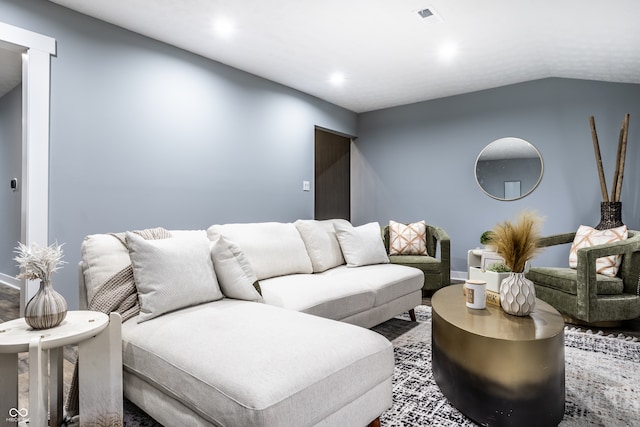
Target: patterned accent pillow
408,239
588,236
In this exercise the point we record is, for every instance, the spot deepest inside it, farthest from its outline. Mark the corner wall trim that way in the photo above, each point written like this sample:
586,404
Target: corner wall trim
36,73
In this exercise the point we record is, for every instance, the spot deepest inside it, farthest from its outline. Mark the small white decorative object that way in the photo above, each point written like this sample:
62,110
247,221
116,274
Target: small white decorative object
517,295
476,294
47,308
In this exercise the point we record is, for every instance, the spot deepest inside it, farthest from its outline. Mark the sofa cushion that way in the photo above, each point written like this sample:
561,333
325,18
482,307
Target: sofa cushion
272,248
588,236
407,239
361,245
425,263
247,364
336,298
321,242
235,274
103,255
172,273
387,282
566,280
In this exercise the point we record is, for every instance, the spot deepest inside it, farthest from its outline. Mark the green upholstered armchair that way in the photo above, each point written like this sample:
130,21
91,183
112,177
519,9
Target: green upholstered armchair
585,295
437,271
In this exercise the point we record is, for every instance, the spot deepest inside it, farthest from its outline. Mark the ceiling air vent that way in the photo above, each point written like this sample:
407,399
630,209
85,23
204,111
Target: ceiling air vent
429,12
425,13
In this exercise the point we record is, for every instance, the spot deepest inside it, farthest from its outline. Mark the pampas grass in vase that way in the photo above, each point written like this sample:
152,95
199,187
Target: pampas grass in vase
517,243
47,308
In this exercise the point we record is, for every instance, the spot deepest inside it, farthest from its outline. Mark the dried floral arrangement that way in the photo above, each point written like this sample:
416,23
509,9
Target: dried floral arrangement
38,262
517,242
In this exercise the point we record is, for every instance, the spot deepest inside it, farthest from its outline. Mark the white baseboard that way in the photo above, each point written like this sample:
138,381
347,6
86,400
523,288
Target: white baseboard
10,281
459,275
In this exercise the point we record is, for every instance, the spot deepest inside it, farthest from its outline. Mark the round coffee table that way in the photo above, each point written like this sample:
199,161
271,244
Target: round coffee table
499,369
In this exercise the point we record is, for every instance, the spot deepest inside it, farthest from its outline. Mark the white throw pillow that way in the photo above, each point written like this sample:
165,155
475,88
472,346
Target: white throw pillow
321,242
588,236
272,248
361,245
172,273
235,274
408,239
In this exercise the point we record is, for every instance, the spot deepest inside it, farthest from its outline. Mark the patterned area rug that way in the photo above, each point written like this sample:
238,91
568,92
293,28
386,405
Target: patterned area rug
602,375
602,379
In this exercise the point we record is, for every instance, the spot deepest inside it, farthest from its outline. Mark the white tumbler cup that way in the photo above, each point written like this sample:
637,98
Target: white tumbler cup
476,294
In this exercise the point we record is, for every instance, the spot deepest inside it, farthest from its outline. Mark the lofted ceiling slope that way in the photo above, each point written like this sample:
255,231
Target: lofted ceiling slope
386,52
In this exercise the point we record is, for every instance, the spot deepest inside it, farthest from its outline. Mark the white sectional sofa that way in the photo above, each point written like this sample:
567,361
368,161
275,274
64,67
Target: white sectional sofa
221,353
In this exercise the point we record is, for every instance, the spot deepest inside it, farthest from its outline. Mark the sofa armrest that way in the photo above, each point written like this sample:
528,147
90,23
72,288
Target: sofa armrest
435,236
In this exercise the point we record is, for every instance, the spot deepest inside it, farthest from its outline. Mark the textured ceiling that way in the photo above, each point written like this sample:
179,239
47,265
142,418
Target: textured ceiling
389,54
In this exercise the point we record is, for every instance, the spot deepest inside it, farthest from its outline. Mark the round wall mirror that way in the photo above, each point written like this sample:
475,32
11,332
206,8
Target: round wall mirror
509,168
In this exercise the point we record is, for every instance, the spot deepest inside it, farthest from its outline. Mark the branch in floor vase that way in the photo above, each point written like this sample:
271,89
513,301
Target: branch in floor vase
596,148
623,153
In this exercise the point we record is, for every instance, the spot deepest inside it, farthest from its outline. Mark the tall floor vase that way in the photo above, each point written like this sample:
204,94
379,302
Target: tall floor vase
517,295
610,215
47,309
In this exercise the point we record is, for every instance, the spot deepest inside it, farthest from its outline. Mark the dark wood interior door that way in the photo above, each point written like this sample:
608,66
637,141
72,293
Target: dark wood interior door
332,176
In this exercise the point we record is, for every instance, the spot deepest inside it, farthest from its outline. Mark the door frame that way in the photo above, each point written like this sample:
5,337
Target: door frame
351,139
34,227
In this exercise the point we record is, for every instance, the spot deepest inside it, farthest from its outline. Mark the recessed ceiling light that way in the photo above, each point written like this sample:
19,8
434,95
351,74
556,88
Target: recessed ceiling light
337,79
448,51
224,27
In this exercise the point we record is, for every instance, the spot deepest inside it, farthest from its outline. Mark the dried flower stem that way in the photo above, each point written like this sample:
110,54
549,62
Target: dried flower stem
517,243
37,262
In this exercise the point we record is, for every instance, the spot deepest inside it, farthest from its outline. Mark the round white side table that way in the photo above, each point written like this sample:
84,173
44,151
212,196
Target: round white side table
100,368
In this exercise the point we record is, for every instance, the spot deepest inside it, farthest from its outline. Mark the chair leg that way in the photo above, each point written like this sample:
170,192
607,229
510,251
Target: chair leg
375,423
412,315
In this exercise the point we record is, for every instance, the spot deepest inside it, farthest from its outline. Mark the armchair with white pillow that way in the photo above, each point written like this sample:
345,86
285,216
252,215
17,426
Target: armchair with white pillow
602,283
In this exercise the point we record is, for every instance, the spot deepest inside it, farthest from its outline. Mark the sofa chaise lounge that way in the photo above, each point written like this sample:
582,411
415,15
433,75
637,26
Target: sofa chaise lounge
293,354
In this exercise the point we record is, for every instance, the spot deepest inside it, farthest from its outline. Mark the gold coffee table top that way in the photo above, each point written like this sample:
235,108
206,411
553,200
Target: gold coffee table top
493,322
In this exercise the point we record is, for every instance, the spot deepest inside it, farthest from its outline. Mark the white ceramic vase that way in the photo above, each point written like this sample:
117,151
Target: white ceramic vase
47,309
517,295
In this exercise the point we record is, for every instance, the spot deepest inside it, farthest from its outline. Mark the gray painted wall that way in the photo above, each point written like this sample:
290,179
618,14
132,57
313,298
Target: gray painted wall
417,161
10,167
145,135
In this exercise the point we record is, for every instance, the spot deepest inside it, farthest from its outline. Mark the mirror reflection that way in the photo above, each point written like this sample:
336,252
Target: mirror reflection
509,168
